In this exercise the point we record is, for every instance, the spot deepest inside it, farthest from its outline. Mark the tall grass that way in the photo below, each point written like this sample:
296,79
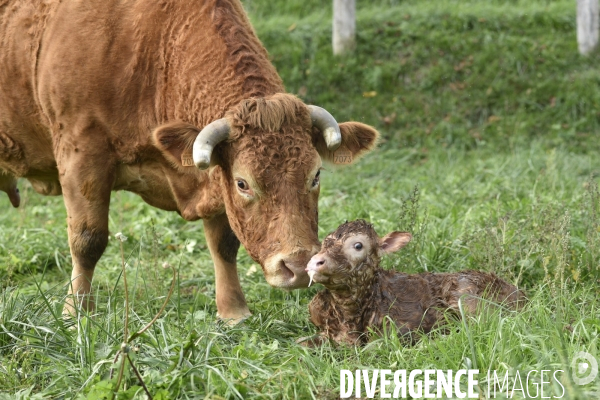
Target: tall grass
489,118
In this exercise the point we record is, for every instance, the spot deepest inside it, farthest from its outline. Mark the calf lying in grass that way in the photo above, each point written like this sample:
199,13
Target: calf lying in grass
359,295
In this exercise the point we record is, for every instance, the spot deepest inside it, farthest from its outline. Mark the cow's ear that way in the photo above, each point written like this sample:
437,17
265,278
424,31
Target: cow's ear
394,241
357,140
175,140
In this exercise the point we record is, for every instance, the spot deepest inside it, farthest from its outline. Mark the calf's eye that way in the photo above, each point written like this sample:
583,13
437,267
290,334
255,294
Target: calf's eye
358,246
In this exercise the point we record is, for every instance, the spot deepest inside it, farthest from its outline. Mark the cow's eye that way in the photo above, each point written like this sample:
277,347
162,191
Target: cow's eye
317,179
243,185
358,246
243,188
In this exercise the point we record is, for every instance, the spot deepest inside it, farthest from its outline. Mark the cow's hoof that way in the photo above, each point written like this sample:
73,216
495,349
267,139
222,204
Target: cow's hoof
234,320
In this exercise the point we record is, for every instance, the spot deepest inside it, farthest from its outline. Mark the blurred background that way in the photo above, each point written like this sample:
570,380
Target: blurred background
443,73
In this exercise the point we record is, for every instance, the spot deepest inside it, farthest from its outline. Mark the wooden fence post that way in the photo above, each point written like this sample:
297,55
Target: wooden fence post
344,26
587,25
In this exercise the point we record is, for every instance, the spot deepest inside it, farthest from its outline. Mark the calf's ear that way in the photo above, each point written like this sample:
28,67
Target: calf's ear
175,141
357,140
394,241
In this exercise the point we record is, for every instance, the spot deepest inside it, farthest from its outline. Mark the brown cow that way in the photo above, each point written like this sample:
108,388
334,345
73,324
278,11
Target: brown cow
103,95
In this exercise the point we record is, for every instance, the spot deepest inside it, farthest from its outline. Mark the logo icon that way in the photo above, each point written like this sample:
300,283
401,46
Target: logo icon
584,367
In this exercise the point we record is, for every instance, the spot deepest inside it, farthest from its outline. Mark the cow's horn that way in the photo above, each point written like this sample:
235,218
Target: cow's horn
207,139
328,125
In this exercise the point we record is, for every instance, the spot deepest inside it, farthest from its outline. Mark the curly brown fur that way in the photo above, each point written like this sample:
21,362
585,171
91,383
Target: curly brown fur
360,296
245,52
256,116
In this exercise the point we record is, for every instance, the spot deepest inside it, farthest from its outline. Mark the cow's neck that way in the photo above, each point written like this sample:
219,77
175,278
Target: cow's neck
201,66
215,62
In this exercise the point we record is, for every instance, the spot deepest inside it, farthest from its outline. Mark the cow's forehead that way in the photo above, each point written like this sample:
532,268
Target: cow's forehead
287,154
272,138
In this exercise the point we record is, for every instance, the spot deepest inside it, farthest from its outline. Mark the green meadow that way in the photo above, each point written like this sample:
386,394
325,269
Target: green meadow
490,156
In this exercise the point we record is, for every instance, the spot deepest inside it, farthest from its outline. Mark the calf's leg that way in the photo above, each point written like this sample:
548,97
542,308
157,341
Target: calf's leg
223,246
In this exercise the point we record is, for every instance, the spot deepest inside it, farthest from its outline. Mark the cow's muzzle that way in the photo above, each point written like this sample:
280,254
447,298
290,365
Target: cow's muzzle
288,271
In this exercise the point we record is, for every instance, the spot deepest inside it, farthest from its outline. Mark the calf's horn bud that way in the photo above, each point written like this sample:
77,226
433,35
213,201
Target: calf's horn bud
328,125
207,139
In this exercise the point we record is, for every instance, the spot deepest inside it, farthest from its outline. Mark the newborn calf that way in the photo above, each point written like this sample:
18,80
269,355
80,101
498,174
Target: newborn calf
360,295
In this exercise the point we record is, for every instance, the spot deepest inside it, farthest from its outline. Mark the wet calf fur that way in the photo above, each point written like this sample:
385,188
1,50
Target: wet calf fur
359,295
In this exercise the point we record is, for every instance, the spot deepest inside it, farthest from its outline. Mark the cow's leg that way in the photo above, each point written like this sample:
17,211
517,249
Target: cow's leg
86,176
8,184
223,246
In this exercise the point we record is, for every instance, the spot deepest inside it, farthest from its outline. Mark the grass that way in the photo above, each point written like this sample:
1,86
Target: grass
489,117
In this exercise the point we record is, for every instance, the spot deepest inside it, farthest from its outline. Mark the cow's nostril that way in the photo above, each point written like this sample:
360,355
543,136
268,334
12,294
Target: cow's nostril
285,271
